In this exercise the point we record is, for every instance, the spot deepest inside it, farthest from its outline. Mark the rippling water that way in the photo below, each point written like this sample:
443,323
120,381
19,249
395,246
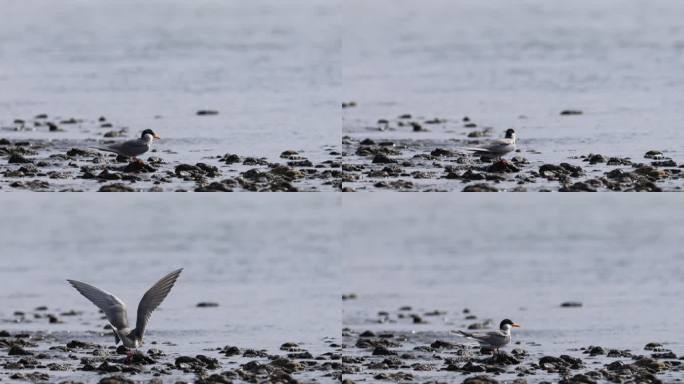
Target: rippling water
271,263
520,257
518,64
271,69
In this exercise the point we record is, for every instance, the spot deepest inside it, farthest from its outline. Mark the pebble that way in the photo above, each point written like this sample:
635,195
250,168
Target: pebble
207,304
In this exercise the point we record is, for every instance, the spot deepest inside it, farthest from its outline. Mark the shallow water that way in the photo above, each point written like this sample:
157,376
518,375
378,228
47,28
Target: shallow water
271,69
270,263
519,65
518,257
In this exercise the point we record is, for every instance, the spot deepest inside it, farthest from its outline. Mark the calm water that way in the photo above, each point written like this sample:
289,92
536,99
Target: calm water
520,257
270,67
518,64
270,262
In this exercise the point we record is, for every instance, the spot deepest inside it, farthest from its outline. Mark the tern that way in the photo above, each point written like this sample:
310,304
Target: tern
132,148
493,339
498,147
115,309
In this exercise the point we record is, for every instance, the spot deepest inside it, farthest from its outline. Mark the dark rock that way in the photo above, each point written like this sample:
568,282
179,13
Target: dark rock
207,304
595,351
230,158
33,185
382,351
115,380
18,159
138,167
288,154
230,351
74,152
481,187
502,358
16,350
571,304
439,152
578,187
116,187
288,346
216,186
106,175
439,344
75,344
207,112
382,159
664,163
596,158
653,347
481,379
569,112
503,166
653,154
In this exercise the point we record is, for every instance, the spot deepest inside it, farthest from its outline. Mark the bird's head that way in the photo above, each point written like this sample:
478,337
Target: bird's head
151,133
507,324
510,133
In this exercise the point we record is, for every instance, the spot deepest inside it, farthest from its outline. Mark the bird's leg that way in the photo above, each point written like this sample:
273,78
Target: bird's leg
130,353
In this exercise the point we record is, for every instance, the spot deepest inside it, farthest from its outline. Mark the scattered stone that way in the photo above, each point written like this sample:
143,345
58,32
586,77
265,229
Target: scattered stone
207,112
207,304
570,112
116,187
571,304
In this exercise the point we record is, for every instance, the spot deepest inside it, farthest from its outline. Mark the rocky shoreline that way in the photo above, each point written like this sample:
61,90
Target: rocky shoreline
71,165
389,159
386,354
47,356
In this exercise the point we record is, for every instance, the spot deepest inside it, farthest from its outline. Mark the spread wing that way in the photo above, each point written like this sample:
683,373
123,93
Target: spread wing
112,306
152,298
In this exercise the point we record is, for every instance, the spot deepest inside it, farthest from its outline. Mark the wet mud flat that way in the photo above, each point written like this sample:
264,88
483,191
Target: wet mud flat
383,350
42,356
61,164
424,154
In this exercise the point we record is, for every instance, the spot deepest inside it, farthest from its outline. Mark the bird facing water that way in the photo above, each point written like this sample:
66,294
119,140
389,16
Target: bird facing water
115,309
493,339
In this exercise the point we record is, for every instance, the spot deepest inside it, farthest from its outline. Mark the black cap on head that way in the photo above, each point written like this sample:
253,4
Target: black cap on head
146,132
509,133
504,322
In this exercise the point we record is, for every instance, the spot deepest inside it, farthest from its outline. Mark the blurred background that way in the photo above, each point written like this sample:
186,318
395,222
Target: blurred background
270,68
519,257
269,262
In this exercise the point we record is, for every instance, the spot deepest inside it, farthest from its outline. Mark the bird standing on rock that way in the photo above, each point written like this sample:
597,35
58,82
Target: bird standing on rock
132,148
115,309
496,148
493,339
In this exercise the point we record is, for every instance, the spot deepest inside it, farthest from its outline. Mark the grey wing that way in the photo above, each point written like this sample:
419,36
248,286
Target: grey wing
132,147
152,298
492,338
497,146
114,309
